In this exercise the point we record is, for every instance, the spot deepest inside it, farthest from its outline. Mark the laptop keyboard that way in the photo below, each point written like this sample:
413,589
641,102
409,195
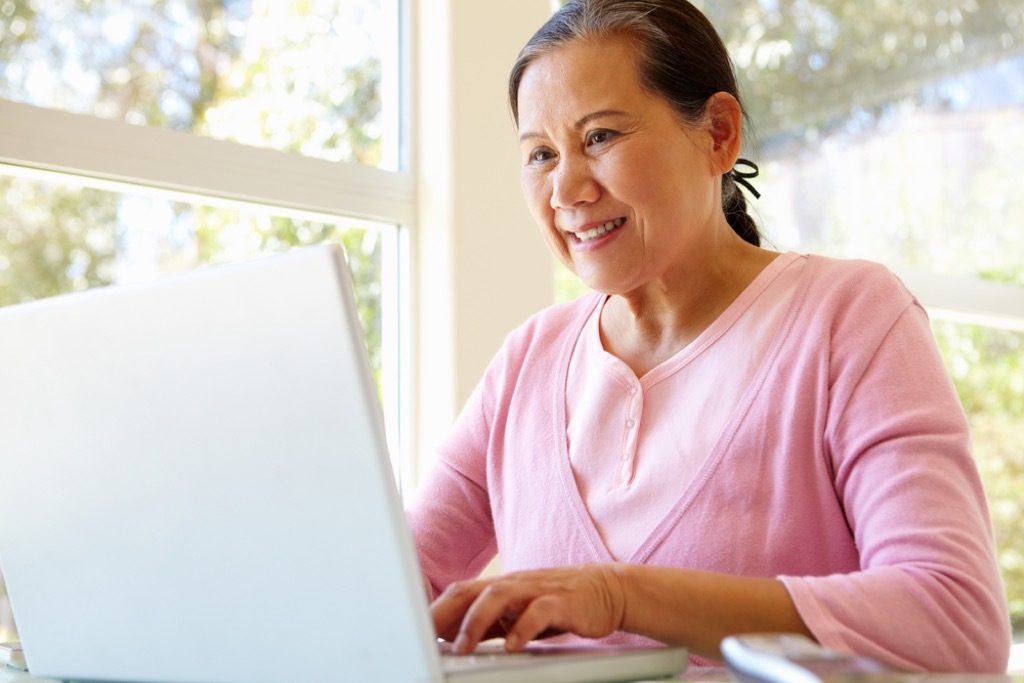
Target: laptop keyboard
451,662
486,654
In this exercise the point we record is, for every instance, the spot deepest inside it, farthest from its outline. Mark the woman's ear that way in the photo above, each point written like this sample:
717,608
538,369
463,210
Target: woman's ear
725,119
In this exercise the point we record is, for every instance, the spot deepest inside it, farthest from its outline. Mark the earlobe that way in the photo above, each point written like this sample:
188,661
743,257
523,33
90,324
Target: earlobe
726,127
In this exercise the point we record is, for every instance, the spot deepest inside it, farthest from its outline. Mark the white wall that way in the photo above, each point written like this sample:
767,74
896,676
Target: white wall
479,264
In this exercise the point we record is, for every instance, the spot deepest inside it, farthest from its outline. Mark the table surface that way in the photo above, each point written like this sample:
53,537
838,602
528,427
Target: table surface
695,675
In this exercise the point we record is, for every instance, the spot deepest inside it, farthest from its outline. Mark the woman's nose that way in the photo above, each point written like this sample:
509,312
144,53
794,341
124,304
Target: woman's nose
574,184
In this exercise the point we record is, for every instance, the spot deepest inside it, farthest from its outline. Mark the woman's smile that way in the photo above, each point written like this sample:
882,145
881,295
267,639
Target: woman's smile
587,235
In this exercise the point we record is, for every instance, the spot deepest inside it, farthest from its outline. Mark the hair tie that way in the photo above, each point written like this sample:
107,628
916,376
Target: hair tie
742,176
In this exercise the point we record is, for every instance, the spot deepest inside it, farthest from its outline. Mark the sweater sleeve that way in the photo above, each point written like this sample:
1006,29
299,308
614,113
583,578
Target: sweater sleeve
451,520
929,595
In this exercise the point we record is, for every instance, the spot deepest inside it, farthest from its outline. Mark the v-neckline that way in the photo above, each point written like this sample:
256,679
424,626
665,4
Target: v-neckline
703,473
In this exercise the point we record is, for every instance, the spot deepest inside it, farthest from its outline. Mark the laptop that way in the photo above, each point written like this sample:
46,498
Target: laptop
196,487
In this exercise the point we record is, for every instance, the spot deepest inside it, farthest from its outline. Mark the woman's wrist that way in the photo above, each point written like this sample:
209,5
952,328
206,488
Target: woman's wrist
697,609
643,611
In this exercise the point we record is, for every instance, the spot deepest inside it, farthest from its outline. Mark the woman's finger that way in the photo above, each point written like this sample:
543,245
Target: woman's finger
451,606
543,617
497,604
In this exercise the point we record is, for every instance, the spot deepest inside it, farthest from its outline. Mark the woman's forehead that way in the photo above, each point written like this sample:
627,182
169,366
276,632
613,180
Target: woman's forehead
579,73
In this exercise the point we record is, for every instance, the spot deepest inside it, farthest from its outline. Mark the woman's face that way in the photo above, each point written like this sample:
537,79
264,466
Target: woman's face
623,191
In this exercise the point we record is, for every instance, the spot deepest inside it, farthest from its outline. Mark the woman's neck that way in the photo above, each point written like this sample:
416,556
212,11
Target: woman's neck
648,326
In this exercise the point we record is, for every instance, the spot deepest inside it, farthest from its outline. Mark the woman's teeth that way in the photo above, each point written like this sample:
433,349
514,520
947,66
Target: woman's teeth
599,230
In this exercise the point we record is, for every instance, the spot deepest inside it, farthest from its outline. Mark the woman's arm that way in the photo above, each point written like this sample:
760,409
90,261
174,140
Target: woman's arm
676,606
698,609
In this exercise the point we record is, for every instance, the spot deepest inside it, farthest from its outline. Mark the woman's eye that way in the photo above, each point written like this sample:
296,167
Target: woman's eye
540,155
599,136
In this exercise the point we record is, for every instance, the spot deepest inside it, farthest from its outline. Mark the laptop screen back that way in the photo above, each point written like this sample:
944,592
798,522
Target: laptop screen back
196,484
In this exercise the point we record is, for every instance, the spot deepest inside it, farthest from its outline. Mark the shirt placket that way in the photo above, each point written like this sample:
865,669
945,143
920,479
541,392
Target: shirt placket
630,430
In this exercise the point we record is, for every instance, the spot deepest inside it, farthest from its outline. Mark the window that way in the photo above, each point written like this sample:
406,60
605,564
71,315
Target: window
136,235
140,137
317,78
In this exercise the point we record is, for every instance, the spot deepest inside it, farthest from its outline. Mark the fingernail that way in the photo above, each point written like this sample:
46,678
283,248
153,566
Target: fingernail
511,642
460,644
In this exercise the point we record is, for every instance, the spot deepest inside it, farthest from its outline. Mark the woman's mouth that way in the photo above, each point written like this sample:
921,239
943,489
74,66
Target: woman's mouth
600,230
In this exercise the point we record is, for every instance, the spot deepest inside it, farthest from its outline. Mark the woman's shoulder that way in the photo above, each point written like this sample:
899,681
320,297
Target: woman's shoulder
854,283
845,270
849,307
539,344
556,320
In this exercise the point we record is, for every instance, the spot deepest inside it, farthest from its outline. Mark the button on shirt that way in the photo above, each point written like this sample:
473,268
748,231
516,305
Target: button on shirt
639,443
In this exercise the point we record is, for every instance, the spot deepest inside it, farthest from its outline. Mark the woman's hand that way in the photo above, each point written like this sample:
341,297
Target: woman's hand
588,600
672,605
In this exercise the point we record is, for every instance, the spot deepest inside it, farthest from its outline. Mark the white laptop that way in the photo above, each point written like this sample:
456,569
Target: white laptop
196,487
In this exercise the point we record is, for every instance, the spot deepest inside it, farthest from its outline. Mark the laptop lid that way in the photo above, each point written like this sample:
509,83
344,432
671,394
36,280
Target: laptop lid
196,484
197,488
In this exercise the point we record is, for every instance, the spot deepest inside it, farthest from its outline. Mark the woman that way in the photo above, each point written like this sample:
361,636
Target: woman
720,438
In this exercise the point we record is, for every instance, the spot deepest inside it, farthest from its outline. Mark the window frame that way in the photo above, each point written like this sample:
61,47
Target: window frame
969,300
81,145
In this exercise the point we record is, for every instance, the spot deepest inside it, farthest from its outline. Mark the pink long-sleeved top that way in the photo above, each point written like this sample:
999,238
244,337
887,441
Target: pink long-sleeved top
844,470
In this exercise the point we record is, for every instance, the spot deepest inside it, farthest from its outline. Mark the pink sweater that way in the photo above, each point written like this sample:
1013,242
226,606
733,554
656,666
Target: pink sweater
845,471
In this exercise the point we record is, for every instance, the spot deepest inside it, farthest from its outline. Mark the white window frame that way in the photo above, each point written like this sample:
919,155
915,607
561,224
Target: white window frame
80,145
479,266
967,300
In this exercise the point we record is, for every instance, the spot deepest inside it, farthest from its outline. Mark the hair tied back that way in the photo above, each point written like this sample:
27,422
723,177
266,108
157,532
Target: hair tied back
743,177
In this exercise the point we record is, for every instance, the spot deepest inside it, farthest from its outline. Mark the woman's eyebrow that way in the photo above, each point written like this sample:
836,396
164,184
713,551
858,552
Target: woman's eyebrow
598,115
529,135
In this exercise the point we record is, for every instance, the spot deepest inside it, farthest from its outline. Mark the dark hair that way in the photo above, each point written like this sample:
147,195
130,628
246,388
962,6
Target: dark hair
680,58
